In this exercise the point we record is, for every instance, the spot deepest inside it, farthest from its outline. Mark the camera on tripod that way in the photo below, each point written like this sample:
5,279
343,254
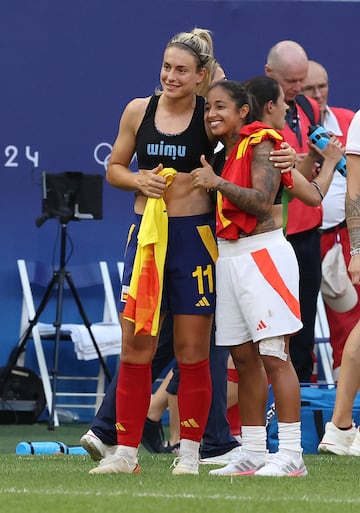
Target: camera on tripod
70,196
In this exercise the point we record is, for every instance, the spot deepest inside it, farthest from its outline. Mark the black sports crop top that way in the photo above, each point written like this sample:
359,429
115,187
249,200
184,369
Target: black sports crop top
180,151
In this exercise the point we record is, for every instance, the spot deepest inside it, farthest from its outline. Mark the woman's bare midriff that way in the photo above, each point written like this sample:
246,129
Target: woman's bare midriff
181,198
274,222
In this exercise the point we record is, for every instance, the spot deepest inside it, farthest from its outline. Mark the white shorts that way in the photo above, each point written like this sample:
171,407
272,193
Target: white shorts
257,283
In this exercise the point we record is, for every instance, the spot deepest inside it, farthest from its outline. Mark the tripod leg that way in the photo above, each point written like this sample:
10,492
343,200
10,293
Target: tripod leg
87,324
59,277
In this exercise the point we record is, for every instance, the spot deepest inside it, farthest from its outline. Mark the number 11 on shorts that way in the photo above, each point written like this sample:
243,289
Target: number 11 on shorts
202,274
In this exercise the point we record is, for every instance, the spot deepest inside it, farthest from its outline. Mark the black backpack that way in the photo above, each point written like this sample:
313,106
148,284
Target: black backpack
22,397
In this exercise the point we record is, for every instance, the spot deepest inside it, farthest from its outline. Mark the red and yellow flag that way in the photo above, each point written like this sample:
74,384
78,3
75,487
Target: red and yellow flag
146,284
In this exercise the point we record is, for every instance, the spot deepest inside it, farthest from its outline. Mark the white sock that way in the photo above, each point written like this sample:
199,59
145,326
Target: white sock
253,438
131,452
189,447
290,436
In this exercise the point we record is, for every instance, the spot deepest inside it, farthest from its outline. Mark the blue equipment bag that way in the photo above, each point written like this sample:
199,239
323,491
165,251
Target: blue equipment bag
317,405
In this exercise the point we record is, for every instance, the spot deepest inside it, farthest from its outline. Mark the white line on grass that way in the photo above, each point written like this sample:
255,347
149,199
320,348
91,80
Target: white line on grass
117,493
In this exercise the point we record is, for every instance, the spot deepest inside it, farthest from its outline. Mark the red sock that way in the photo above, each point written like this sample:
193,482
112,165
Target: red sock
233,413
194,399
234,420
232,375
133,394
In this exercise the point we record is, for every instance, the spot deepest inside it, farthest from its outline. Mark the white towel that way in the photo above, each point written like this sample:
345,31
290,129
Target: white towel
107,337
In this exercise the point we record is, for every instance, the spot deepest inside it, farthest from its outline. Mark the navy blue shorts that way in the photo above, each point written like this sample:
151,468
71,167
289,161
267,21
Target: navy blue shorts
189,274
173,384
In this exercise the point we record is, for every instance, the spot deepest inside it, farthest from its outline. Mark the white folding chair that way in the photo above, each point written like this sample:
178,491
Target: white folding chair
35,276
120,267
323,349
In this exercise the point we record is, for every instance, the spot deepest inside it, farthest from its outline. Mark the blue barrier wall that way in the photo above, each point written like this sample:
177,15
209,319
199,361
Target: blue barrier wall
68,70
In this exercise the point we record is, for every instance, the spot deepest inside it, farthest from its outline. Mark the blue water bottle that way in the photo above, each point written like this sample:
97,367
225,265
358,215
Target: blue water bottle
24,448
319,136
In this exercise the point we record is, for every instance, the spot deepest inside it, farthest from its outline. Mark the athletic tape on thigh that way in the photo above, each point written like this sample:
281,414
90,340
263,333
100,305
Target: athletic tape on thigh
273,346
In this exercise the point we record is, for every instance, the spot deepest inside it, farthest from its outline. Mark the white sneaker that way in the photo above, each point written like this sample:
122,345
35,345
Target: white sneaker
95,447
337,441
185,463
223,459
247,464
118,463
282,464
354,449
